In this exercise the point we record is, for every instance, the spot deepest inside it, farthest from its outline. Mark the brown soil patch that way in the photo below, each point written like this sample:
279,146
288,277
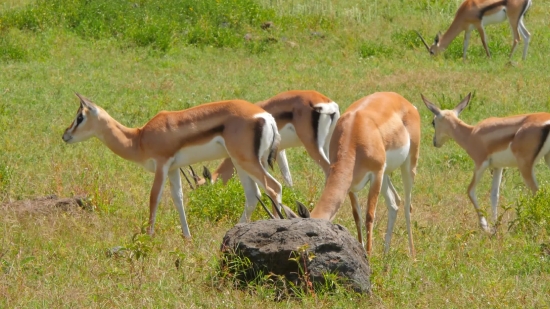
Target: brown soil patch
48,204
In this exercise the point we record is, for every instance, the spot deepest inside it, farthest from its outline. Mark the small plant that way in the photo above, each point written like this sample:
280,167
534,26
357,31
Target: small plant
374,49
533,213
302,256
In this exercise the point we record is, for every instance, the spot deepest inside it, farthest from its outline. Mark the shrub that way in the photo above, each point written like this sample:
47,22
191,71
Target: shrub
533,213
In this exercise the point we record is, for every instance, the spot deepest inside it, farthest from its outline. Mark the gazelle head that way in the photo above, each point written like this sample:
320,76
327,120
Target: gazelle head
444,119
435,48
84,125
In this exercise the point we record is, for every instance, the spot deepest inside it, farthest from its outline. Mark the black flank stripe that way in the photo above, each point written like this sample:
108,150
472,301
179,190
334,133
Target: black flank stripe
545,131
285,116
524,8
490,7
258,130
315,123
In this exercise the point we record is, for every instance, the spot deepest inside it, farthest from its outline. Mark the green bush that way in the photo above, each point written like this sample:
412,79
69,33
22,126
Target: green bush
533,213
219,23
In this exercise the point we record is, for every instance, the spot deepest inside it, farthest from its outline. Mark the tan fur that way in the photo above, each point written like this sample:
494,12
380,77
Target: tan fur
468,14
297,104
525,135
368,129
156,144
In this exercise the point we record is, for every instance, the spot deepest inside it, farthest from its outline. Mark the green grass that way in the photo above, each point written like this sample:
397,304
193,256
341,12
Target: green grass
344,49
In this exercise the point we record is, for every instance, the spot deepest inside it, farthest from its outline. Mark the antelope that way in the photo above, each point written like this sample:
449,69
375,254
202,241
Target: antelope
304,118
495,143
475,14
236,129
374,136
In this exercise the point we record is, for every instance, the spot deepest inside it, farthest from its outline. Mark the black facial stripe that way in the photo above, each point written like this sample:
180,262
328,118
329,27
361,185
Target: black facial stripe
79,119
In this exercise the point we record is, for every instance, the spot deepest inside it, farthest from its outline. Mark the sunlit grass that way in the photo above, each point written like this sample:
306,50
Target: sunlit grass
346,50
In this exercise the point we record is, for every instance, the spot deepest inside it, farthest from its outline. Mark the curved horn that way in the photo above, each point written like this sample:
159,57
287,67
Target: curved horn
265,207
276,208
423,41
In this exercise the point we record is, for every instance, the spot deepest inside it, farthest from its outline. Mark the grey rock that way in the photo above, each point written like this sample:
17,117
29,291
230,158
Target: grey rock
269,244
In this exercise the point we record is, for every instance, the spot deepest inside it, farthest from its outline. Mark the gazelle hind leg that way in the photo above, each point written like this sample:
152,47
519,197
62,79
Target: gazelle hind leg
526,171
177,198
526,37
495,192
392,211
283,166
356,210
408,173
394,191
258,174
251,193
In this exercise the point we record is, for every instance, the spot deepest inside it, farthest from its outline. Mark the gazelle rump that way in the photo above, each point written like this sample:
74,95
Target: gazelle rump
236,129
304,118
374,136
475,14
495,143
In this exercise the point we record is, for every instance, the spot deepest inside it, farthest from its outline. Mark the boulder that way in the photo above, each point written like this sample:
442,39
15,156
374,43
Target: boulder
321,247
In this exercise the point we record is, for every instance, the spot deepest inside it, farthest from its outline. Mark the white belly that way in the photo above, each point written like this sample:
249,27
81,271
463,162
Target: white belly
504,158
494,18
394,159
212,150
289,138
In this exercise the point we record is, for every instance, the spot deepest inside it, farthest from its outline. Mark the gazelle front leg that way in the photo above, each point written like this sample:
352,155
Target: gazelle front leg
356,211
177,197
374,191
156,191
495,190
467,35
481,31
472,194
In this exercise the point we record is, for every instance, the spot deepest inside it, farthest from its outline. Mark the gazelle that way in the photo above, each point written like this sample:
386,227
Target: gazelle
475,14
236,129
495,143
374,136
304,118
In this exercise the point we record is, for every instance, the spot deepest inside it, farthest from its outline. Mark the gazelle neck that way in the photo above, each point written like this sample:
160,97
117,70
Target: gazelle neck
451,33
121,140
336,188
461,132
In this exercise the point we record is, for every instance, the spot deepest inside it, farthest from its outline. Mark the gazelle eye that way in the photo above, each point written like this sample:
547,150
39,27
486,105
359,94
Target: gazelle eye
79,119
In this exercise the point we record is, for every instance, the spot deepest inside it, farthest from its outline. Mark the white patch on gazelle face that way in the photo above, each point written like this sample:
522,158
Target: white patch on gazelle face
72,134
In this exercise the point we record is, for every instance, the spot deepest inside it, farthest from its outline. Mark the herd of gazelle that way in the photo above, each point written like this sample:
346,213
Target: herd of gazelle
374,136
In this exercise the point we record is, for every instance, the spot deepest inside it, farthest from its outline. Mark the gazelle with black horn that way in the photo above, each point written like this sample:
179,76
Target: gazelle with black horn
495,143
374,136
475,14
236,129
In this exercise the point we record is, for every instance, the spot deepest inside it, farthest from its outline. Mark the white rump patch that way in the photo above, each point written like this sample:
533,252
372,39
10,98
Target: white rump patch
326,108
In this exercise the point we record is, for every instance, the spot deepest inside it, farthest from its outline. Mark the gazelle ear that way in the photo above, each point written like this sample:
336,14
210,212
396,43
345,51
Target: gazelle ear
462,105
84,102
432,107
437,38
303,212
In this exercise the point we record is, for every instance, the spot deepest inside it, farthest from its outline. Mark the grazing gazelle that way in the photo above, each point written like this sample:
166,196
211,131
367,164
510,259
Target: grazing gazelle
236,129
304,118
475,14
375,135
495,143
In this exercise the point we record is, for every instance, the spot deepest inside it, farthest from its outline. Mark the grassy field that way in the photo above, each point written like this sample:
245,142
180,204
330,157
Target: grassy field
135,59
